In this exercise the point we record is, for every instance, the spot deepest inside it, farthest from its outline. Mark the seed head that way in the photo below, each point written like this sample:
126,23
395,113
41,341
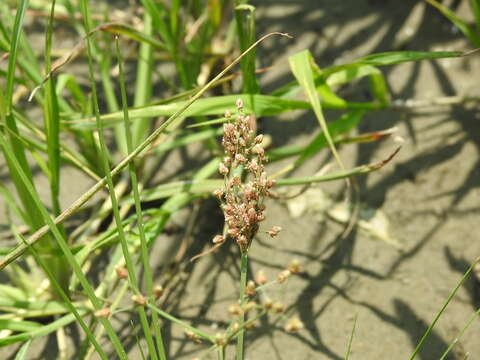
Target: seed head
250,288
192,336
122,272
218,239
260,277
274,231
293,325
278,307
222,169
158,291
283,275
294,267
239,104
235,310
103,313
139,300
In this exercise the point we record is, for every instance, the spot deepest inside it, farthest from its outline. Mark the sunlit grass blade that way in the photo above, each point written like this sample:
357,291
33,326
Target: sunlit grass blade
52,132
142,37
301,66
196,186
263,105
350,340
245,20
63,245
475,5
67,304
457,338
31,212
466,29
148,276
23,351
143,83
442,310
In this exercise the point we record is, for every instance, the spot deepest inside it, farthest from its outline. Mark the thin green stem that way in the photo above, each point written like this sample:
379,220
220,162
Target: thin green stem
241,318
182,324
111,189
450,297
148,277
350,340
460,333
68,303
221,352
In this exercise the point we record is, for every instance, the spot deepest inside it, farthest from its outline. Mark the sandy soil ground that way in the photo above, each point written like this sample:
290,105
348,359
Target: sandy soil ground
429,193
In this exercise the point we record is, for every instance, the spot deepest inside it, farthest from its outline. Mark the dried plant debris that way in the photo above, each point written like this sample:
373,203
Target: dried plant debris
373,222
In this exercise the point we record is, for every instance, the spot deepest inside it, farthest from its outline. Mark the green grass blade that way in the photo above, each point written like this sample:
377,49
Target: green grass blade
18,325
201,186
458,22
67,303
62,243
52,120
301,67
340,126
475,5
148,276
22,352
475,315
442,310
17,147
350,340
142,37
143,84
245,21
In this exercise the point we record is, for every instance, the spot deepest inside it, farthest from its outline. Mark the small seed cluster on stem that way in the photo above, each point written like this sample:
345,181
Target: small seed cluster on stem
242,202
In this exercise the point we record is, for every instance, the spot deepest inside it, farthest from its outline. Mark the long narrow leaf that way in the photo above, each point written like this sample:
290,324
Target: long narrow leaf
301,65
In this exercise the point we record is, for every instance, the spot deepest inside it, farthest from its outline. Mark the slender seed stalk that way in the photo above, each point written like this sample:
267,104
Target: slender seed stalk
241,318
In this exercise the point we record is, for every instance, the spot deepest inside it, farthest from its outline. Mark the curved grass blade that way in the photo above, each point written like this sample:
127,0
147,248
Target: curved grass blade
301,66
148,276
62,244
22,352
449,299
466,29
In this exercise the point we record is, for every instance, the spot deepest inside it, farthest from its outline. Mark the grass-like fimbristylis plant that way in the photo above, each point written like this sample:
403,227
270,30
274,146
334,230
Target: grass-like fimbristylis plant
187,42
132,277
148,277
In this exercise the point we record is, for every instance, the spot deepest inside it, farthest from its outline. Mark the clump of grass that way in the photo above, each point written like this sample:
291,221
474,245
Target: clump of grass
52,280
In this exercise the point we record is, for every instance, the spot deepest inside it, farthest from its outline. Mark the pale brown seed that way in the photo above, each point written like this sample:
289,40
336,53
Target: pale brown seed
235,310
293,325
218,239
278,307
122,272
294,267
139,300
103,313
158,291
260,277
250,288
222,169
283,275
239,104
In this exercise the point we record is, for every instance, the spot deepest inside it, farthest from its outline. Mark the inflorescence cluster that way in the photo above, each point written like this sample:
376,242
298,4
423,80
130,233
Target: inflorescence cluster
243,202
